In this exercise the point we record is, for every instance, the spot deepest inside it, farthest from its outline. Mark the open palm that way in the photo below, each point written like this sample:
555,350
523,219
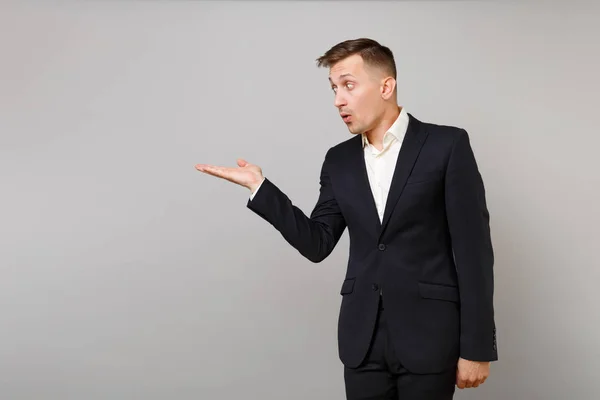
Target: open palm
246,174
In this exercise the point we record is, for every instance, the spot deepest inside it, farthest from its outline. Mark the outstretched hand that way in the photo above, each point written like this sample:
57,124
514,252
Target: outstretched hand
246,174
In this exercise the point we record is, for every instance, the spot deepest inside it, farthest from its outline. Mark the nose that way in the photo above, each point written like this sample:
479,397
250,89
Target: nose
339,101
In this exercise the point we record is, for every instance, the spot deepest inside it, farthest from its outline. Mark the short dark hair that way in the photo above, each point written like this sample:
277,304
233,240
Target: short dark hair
372,53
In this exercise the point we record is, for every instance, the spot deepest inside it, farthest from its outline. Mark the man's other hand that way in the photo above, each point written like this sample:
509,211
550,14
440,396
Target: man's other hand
246,174
470,374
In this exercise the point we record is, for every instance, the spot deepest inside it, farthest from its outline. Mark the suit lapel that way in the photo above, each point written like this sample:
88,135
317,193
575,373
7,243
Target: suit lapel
411,146
364,194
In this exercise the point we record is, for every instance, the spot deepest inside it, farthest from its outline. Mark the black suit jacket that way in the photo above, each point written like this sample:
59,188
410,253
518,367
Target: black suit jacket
431,257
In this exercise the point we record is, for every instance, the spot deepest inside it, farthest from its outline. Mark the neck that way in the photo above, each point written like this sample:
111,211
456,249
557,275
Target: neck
388,118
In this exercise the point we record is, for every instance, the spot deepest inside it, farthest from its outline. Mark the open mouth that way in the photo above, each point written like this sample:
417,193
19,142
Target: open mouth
346,117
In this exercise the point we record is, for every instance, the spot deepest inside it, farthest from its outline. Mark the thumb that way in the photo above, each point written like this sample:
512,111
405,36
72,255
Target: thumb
241,162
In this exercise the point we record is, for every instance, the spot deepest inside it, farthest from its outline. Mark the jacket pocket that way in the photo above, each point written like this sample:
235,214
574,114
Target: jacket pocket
439,292
347,286
423,177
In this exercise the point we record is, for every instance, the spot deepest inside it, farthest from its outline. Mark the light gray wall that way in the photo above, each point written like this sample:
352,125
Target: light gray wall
126,274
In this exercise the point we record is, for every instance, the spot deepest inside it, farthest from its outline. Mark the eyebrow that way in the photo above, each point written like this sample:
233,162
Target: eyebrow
343,76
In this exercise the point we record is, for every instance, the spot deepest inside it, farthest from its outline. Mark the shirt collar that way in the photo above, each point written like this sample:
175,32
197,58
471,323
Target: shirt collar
396,131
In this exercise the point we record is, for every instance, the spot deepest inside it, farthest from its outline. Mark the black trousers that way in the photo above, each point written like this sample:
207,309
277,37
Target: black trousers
381,376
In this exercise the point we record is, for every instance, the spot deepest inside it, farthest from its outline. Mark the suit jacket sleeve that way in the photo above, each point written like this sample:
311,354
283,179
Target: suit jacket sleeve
314,237
468,222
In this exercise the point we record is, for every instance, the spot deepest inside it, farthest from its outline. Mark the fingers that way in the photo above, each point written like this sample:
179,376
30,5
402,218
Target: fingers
460,382
206,168
468,382
220,172
471,374
465,383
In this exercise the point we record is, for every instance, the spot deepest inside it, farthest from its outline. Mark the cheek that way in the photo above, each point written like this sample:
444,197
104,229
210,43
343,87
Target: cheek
364,111
361,107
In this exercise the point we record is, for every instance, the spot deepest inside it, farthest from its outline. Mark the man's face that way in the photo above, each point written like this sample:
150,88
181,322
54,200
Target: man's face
357,93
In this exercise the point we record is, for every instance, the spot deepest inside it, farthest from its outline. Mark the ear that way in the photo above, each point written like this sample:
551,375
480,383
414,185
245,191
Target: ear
387,87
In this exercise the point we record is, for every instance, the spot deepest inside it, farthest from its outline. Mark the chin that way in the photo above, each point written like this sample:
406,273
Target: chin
354,129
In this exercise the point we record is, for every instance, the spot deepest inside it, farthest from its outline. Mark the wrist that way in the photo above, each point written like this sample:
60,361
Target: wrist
254,185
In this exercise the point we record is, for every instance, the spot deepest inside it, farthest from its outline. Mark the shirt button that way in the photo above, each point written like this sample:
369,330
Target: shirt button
381,246
375,286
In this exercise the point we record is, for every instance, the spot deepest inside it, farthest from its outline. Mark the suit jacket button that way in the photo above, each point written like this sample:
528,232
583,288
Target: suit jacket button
375,286
381,246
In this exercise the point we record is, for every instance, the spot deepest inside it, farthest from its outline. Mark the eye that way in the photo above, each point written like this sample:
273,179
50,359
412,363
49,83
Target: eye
334,89
350,85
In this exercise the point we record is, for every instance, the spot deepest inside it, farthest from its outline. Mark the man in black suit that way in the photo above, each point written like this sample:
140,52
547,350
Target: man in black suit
417,314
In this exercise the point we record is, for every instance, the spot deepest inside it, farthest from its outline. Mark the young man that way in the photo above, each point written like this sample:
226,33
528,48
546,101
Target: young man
417,314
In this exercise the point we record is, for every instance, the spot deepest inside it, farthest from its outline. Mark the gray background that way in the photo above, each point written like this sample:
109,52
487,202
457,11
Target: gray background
127,274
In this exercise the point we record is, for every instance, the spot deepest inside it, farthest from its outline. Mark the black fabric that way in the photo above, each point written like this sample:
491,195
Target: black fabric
381,376
430,258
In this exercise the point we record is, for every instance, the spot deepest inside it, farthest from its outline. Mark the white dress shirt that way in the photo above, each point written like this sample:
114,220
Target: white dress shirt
380,164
